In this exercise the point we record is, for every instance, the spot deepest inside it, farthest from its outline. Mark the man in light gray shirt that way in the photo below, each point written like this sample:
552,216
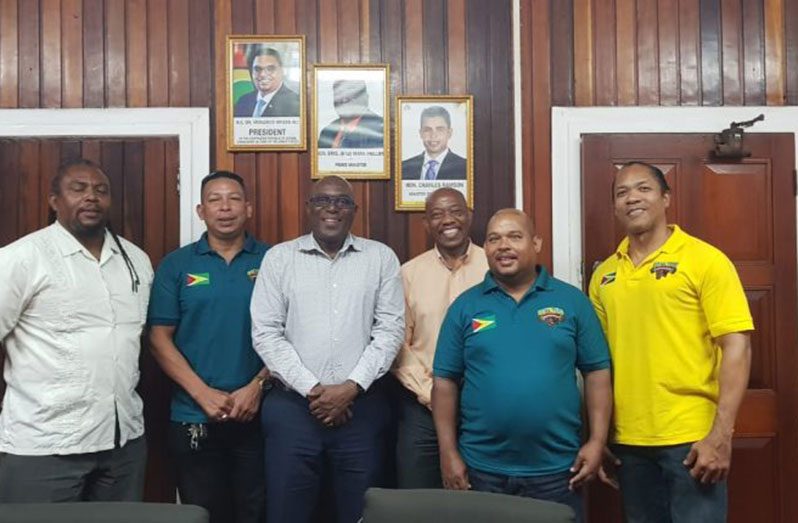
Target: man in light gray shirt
327,319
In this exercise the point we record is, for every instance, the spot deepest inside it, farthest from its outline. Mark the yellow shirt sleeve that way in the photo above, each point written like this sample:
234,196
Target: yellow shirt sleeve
723,298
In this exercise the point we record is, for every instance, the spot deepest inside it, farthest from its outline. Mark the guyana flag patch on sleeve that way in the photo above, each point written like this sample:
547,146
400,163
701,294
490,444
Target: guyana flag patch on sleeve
483,324
199,278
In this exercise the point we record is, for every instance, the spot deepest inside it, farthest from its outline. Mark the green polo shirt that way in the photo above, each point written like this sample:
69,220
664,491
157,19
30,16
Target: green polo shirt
519,401
207,300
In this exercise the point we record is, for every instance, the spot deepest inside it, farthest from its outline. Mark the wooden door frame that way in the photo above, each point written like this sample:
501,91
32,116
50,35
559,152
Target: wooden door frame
190,125
568,124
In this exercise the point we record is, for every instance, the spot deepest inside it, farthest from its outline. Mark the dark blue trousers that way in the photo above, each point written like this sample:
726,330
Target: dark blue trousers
299,451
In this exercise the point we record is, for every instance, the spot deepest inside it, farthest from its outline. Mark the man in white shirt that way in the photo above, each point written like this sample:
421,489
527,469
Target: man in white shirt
73,302
327,319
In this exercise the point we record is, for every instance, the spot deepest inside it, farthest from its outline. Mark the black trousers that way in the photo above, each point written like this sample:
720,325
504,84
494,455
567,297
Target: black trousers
418,463
224,473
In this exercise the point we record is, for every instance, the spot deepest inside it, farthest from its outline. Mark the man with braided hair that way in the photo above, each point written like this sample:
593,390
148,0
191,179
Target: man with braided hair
73,301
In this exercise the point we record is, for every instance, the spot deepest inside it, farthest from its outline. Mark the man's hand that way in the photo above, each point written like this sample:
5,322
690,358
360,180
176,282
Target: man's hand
216,404
586,464
454,472
607,471
246,401
329,402
709,459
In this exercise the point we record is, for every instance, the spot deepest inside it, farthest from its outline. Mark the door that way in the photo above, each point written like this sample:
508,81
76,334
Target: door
747,209
145,210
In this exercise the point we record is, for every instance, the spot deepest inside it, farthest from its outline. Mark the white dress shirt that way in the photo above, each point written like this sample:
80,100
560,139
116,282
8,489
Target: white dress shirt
266,101
321,320
70,325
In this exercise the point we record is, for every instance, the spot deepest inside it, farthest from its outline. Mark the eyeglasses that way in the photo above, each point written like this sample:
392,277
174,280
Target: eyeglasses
339,202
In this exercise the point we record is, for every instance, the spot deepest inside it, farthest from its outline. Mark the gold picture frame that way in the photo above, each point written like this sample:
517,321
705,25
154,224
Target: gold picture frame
434,148
350,121
266,86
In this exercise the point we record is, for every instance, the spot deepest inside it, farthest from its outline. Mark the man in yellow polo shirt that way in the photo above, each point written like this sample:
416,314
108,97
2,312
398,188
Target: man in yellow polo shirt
676,318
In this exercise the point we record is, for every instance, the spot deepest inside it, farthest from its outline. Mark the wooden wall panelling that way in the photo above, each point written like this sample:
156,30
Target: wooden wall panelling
387,22
9,196
243,15
29,187
112,159
93,53
178,64
115,69
136,52
731,54
753,55
456,47
414,83
157,54
689,48
541,130
223,25
604,51
51,53
583,52
50,151
668,30
72,53
561,39
306,23
290,201
201,56
527,20
133,194
776,69
9,56
626,51
711,75
790,58
28,50
268,174
647,53
171,193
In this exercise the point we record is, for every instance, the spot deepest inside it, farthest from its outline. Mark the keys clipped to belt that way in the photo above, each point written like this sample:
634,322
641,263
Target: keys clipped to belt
196,433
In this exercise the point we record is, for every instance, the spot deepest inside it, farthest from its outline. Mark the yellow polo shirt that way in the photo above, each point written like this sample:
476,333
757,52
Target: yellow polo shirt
661,319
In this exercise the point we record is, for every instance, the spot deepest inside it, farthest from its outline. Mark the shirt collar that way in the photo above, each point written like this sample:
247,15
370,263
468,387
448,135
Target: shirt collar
308,243
542,282
466,256
672,244
68,245
203,247
268,97
439,159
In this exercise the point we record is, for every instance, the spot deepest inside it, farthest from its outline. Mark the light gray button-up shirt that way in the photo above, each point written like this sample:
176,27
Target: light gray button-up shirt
322,320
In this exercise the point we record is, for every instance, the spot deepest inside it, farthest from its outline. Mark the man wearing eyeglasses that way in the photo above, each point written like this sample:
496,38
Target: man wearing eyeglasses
200,336
432,281
73,301
271,97
327,319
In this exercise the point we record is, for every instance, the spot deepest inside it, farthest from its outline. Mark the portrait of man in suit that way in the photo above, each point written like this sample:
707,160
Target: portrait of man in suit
437,161
270,96
357,126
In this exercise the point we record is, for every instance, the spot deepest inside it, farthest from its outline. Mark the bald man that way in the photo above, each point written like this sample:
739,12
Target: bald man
327,319
505,398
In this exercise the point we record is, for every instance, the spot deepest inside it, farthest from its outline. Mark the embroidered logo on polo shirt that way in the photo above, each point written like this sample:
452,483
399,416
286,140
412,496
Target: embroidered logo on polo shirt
252,274
200,278
551,316
662,269
607,279
483,324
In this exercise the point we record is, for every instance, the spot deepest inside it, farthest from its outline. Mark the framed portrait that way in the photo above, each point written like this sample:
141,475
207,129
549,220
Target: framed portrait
350,131
434,148
266,93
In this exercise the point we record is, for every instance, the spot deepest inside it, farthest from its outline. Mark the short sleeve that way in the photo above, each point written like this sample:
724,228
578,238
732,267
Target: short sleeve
723,298
164,308
595,298
449,360
592,352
